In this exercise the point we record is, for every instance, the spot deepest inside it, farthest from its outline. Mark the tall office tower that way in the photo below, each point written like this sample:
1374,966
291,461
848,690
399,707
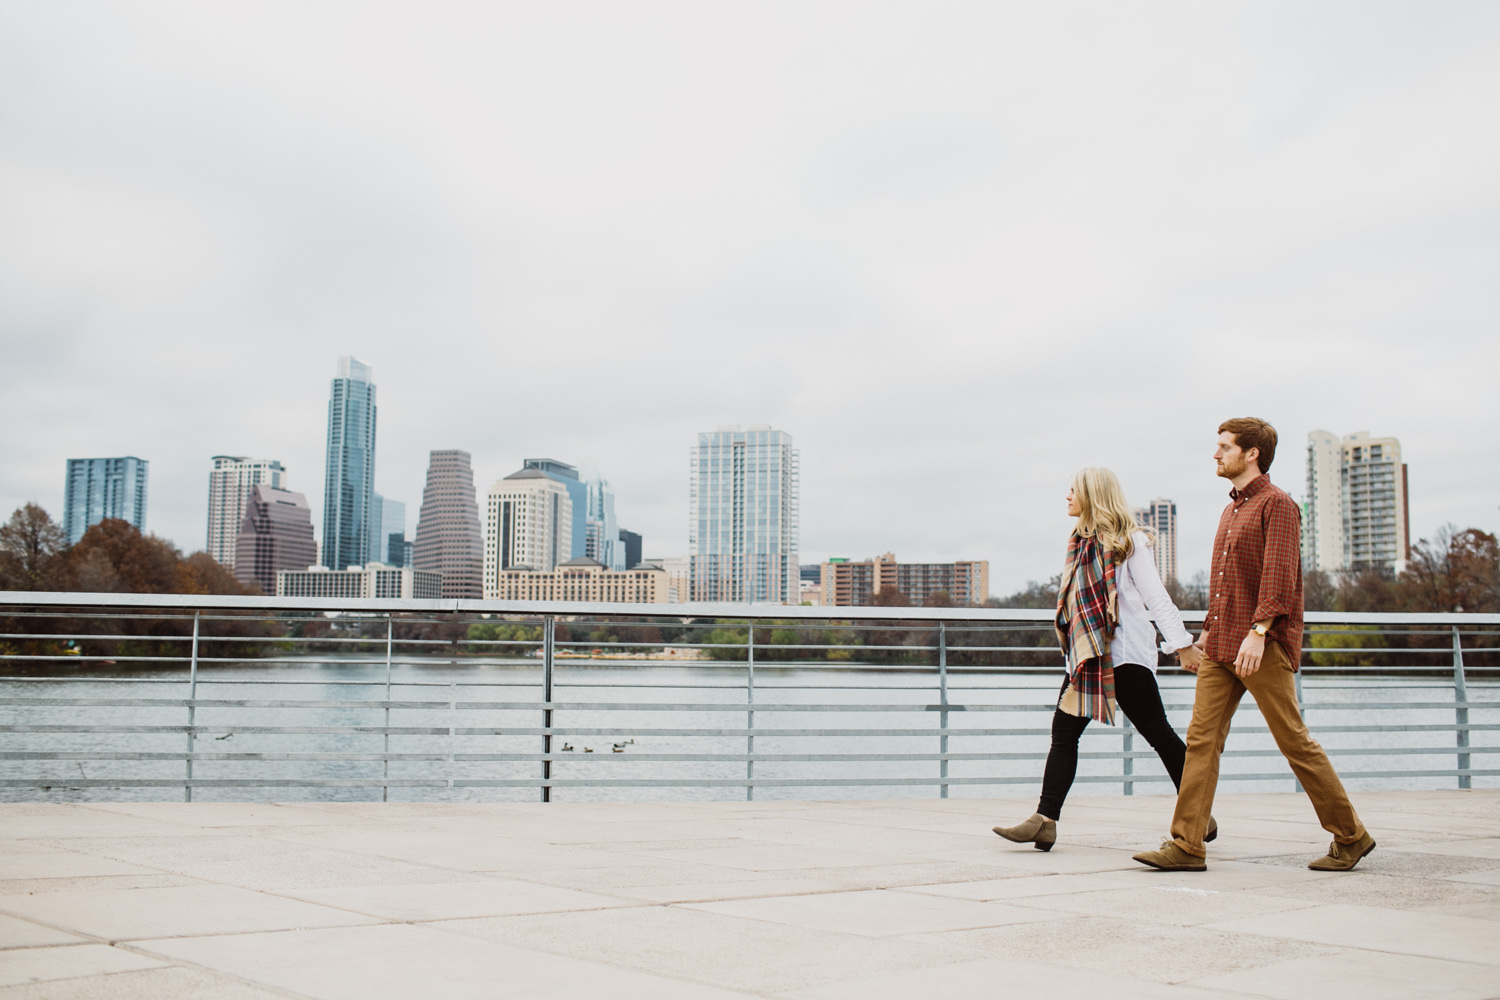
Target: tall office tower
387,518
276,533
631,543
742,527
601,538
528,525
392,533
448,540
349,482
229,485
1356,513
577,495
98,488
1161,515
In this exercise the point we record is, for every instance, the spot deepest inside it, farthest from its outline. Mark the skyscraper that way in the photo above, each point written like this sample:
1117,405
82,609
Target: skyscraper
448,540
1161,515
1356,512
349,480
577,495
98,488
528,525
390,542
631,542
742,528
276,533
229,485
601,531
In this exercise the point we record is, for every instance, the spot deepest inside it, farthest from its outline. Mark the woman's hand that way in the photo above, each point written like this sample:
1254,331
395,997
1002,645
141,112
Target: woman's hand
1190,657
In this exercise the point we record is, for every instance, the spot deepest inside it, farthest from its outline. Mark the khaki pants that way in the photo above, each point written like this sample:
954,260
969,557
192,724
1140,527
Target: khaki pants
1274,688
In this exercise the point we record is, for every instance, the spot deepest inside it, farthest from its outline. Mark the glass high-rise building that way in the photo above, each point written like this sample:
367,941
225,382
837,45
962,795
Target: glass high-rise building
742,529
349,479
98,488
601,530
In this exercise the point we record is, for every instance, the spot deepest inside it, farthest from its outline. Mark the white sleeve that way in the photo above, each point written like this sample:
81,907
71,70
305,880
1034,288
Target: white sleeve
1143,571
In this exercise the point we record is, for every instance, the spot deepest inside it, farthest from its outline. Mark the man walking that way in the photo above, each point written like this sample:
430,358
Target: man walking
1253,641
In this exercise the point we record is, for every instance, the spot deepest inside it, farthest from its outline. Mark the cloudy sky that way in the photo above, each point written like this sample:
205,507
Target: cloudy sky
957,250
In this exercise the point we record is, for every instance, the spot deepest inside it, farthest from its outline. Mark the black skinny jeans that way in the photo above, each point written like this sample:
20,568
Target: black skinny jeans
1139,698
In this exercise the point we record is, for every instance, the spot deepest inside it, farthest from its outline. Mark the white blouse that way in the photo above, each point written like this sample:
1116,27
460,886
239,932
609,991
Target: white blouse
1143,600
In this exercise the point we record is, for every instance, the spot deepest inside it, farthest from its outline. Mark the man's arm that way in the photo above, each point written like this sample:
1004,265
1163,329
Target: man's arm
1280,566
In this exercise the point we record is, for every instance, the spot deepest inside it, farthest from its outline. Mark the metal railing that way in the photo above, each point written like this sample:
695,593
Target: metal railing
343,698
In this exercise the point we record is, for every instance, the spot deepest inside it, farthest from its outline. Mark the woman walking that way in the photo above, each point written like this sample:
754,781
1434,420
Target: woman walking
1109,596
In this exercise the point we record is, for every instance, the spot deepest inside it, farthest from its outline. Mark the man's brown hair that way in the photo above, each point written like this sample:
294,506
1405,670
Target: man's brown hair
1253,432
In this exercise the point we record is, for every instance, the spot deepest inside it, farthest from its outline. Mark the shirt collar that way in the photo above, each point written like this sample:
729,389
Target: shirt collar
1253,487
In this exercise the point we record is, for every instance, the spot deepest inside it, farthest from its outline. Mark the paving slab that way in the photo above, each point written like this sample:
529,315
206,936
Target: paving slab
453,900
731,952
986,979
162,983
123,914
1362,975
40,965
876,912
401,961
18,933
1406,932
26,859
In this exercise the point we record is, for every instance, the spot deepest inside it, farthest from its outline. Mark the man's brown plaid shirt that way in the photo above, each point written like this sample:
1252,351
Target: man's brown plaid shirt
1257,571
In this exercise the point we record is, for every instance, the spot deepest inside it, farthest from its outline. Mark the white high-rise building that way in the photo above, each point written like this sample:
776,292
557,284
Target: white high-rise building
229,486
1355,514
742,527
1161,516
528,524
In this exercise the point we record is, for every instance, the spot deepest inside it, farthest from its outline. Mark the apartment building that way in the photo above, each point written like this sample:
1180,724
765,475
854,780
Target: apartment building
371,580
857,584
1356,511
528,525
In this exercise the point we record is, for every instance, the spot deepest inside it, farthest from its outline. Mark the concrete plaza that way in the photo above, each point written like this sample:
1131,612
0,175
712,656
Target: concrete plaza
867,900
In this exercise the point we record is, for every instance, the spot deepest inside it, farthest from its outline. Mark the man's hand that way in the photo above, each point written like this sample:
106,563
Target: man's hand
1190,657
1251,650
1202,642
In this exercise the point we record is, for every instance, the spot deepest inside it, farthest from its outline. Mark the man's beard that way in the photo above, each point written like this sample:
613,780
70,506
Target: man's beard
1231,470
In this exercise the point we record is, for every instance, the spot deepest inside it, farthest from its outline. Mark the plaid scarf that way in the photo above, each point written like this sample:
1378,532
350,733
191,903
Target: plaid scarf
1087,612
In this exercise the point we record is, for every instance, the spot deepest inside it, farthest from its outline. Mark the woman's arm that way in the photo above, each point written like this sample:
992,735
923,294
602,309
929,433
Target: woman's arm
1163,611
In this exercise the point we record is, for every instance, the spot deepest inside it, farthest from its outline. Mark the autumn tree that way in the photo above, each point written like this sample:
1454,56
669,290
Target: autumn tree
31,547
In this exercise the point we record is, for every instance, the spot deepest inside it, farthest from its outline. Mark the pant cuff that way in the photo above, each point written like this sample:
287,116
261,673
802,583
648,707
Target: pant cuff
1197,852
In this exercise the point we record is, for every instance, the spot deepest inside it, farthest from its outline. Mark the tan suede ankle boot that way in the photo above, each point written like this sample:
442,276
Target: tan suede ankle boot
1038,830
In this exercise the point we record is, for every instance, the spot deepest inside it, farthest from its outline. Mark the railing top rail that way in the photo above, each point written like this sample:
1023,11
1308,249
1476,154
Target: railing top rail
754,612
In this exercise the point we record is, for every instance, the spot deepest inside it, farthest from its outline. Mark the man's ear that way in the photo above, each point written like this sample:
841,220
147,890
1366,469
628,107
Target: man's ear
1253,455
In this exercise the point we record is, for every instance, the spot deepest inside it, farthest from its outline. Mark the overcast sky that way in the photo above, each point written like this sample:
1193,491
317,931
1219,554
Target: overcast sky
956,250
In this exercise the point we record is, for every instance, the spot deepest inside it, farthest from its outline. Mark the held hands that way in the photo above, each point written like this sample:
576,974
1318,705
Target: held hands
1190,657
1251,651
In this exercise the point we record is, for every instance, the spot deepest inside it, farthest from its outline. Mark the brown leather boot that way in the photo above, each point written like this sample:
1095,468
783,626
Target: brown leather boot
1343,857
1038,831
1171,858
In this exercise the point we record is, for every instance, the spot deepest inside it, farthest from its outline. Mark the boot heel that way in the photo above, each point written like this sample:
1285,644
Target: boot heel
1044,845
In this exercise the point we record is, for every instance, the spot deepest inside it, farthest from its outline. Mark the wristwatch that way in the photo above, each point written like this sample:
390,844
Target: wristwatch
1260,629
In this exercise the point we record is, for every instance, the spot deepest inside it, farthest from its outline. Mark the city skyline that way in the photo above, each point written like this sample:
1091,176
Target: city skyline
900,243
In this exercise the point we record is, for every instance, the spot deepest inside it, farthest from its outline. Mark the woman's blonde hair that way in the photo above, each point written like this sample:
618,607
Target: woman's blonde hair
1103,512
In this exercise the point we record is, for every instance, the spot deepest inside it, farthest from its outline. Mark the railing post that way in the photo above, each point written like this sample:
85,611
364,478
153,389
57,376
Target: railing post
943,710
385,763
187,788
1461,709
1128,767
549,624
750,716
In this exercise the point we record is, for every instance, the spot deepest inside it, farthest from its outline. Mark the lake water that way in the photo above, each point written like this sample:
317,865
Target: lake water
1026,698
